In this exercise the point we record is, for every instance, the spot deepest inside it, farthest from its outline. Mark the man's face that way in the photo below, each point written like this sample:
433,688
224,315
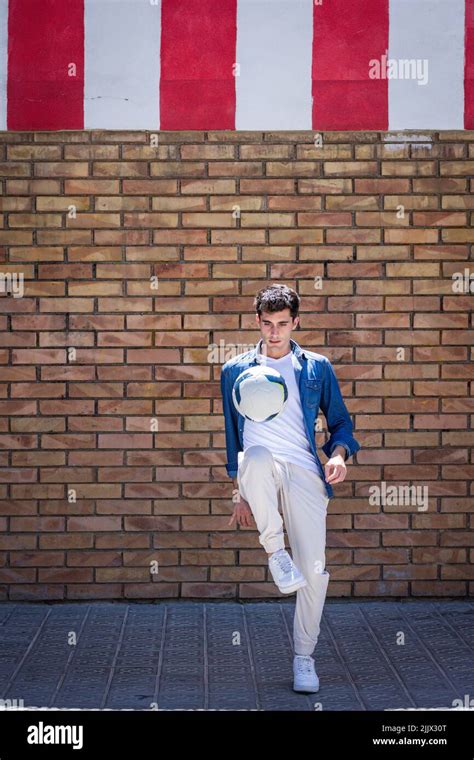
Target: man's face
276,328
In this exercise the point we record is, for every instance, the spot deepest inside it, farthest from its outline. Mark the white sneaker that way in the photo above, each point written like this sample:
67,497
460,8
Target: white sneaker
305,677
285,573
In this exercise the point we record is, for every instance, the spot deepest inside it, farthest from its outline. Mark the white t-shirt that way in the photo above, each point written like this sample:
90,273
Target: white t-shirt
285,434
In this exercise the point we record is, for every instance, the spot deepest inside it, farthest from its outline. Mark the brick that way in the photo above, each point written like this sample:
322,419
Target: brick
351,202
293,169
457,235
90,152
236,169
383,186
267,185
324,219
456,168
438,588
408,168
349,168
119,169
8,169
266,152
325,186
353,236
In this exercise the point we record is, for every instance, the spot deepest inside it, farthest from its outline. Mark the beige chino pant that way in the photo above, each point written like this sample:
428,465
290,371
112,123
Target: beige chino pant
272,485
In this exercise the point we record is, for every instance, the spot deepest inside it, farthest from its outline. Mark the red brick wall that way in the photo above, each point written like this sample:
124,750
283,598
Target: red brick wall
93,355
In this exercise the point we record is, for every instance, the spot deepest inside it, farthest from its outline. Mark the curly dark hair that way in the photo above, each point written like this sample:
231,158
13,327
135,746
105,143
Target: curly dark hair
276,298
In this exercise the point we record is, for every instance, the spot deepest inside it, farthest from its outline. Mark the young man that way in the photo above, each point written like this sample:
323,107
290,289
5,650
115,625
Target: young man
275,466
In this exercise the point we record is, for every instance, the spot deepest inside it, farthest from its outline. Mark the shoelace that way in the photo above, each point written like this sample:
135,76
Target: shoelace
283,561
304,665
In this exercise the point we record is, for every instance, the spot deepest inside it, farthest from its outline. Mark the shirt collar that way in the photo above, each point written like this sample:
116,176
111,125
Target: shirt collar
295,348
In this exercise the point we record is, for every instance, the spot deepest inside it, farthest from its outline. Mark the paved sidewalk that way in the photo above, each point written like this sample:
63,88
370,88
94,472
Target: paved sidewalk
230,655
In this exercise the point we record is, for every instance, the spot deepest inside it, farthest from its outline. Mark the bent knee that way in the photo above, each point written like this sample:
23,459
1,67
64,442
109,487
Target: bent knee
258,454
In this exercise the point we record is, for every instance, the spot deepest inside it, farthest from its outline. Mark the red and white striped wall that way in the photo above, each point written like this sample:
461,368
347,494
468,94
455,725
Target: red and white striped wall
236,64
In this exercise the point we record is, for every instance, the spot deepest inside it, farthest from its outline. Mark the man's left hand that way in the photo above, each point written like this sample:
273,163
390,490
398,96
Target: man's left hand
335,469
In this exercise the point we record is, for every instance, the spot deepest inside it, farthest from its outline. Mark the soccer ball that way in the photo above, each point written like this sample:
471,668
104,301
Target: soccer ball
260,393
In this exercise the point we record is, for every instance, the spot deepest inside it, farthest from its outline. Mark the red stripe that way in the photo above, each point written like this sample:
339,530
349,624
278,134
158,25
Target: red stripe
469,66
44,38
346,35
198,48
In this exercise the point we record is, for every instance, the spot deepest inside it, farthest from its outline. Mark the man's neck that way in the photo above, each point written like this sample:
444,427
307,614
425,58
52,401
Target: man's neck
278,353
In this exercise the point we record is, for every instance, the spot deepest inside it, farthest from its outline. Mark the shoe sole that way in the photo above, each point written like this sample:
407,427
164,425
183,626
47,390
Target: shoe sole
294,587
306,690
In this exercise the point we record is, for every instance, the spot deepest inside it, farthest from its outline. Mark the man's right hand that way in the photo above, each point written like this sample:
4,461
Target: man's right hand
242,514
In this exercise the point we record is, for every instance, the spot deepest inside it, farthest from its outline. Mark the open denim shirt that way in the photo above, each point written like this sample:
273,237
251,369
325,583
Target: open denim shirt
318,389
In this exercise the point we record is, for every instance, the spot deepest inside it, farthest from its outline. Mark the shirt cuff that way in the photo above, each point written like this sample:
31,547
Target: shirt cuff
348,451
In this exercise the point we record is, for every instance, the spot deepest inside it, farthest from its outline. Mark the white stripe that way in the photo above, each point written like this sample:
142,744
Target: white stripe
274,52
3,63
431,30
122,64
